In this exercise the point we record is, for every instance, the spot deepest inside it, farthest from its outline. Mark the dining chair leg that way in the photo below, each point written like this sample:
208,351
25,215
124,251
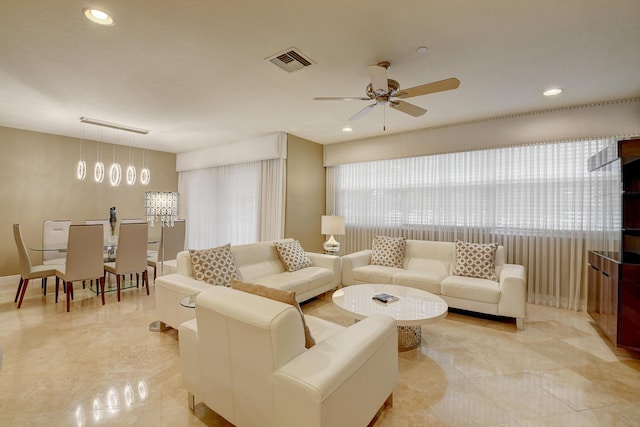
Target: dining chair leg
138,280
44,285
101,288
145,280
57,287
69,294
118,285
154,274
24,290
19,289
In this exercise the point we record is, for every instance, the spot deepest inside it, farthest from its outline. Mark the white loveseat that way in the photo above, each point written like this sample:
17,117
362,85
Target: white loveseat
244,357
429,266
256,263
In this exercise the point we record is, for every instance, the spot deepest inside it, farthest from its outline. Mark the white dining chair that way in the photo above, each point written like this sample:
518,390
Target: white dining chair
55,234
171,242
84,259
131,256
29,271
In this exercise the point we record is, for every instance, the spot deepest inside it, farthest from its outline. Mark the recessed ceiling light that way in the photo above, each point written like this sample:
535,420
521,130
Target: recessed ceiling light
97,16
422,49
347,129
552,92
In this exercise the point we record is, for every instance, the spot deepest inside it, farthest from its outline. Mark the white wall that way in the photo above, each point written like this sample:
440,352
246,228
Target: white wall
604,119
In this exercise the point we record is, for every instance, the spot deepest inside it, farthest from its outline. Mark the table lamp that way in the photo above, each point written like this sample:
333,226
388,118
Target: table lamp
332,225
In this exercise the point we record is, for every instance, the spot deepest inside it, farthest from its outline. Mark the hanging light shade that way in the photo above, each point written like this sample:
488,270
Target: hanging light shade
131,175
145,176
81,170
115,174
98,172
161,206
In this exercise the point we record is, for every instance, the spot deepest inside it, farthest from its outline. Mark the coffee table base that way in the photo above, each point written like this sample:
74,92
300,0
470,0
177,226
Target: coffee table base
409,337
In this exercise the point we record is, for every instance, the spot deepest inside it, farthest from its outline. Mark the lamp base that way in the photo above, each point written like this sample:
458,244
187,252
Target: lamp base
331,246
158,326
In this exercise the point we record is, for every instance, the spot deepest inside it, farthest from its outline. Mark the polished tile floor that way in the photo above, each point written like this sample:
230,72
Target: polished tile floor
100,365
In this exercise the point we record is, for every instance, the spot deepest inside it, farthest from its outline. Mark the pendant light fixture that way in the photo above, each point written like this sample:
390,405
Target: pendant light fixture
115,172
145,174
131,169
81,169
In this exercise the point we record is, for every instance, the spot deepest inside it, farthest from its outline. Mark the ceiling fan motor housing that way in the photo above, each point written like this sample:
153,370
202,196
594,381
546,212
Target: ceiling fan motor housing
393,87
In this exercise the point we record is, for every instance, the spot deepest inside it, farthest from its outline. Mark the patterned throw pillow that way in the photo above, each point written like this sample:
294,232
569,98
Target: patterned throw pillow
476,260
214,266
388,251
292,255
287,297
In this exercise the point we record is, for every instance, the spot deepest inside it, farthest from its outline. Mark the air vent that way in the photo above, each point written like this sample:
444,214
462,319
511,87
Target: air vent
291,60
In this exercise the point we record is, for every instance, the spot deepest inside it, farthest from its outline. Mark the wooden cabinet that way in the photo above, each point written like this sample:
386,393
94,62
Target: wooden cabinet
614,262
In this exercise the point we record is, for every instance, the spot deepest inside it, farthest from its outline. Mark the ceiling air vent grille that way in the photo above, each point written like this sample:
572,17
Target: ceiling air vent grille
291,60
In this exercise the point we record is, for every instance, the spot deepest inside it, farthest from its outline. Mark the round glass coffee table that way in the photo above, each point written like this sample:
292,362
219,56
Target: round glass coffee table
412,309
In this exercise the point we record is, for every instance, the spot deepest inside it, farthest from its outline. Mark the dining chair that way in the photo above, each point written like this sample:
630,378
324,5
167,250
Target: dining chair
55,234
84,259
29,271
171,242
131,256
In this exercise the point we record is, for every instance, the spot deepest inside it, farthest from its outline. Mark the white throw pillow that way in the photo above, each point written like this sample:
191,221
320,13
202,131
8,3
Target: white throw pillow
214,266
388,251
476,260
292,255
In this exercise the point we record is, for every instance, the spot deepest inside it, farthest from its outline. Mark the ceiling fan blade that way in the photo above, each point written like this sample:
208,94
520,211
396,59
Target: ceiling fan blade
439,86
341,98
405,107
362,112
378,76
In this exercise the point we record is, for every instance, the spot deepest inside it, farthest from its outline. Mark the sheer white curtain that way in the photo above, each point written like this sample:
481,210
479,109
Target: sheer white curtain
240,203
535,200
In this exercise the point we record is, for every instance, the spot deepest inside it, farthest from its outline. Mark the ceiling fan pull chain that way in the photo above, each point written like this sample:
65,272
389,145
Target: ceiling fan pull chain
384,119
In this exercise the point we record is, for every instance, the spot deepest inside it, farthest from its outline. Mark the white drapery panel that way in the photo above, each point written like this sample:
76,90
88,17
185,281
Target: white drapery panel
536,200
240,203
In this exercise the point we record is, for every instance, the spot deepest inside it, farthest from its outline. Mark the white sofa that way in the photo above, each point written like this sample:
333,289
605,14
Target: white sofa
256,263
429,266
244,357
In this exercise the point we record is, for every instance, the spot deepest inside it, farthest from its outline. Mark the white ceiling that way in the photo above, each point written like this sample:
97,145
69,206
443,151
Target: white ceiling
194,73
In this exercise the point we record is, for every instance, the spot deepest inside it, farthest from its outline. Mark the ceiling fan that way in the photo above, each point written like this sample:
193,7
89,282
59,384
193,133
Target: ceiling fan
382,90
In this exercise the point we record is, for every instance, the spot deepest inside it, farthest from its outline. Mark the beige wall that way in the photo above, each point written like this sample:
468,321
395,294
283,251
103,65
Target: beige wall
37,178
305,192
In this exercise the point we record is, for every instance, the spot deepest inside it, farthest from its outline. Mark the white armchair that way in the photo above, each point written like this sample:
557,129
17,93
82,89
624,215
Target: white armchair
244,357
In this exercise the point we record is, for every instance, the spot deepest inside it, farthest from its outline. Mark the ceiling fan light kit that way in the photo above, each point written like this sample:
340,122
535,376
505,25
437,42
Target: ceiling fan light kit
382,89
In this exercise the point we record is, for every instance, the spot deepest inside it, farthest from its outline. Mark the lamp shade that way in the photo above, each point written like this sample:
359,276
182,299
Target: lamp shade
332,225
161,206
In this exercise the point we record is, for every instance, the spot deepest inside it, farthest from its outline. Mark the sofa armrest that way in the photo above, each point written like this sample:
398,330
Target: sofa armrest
351,261
170,289
513,289
342,380
330,262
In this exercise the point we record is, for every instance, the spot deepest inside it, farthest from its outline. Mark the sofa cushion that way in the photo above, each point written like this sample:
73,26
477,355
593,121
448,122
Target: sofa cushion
375,274
476,260
214,266
292,255
277,295
388,251
471,288
423,280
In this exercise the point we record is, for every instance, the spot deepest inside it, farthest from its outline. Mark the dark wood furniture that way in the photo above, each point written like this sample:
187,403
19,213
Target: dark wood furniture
614,262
